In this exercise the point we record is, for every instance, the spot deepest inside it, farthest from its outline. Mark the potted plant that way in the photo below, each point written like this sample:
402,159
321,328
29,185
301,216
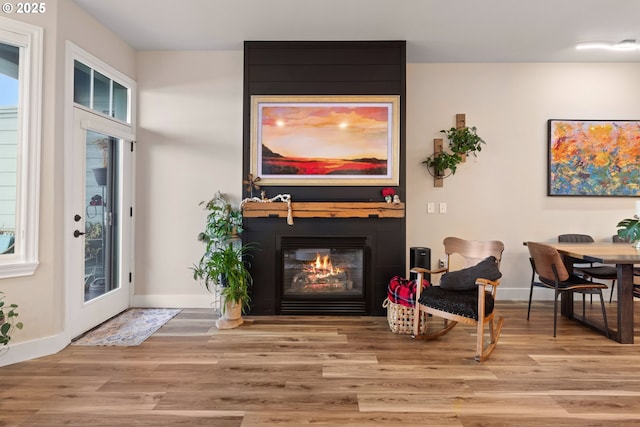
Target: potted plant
442,162
101,173
230,266
223,268
462,142
8,323
629,230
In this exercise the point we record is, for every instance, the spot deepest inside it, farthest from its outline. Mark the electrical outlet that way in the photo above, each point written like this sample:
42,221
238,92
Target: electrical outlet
443,208
442,263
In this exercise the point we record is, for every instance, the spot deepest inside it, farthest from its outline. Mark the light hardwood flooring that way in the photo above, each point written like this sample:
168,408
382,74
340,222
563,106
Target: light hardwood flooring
286,371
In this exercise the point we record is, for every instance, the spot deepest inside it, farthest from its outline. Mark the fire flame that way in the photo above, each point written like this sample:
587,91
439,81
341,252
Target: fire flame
322,267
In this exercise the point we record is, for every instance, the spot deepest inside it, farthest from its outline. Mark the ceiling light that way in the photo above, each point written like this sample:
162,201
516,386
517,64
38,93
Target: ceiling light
624,45
629,44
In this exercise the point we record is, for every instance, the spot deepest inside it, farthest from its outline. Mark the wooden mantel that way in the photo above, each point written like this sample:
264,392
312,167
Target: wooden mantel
324,210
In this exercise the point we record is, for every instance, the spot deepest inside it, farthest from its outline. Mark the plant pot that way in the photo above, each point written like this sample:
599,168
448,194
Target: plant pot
231,317
101,175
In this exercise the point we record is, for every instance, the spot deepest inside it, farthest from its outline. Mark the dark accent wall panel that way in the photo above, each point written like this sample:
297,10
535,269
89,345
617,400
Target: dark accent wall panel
327,68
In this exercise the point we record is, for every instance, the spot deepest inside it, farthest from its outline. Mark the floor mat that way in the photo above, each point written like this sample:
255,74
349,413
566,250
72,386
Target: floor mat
129,328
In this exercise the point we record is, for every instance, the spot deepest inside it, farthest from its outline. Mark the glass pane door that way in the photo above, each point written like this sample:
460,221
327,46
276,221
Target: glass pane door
99,239
101,227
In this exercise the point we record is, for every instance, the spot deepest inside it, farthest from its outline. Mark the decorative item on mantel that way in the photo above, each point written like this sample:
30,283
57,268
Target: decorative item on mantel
388,193
263,199
629,228
463,140
252,183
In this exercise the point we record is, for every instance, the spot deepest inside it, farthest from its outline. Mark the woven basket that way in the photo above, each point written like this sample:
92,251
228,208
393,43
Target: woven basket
400,318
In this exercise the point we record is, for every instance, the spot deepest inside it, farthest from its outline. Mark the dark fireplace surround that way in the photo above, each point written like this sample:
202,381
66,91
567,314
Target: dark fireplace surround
382,242
324,68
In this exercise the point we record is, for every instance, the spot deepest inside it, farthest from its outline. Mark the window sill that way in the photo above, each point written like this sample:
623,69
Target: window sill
17,269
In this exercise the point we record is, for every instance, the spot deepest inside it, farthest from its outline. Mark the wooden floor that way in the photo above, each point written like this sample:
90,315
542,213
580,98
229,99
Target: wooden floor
333,371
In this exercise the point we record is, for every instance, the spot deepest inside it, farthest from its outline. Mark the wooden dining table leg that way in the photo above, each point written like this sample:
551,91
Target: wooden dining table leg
624,334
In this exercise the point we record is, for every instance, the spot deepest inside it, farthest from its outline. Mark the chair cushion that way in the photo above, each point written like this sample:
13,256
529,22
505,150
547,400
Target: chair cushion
572,282
603,272
465,279
462,303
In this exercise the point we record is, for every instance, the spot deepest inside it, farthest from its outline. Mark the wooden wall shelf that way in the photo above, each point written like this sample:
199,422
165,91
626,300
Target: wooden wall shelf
324,210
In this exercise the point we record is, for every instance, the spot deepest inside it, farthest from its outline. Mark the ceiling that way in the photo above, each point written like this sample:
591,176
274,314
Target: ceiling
435,30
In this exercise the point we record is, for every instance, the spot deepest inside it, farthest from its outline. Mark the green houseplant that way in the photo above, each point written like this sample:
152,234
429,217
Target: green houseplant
8,321
223,267
462,142
629,230
228,263
442,162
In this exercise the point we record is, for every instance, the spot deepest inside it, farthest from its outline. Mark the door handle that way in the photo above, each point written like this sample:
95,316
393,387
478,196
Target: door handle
77,233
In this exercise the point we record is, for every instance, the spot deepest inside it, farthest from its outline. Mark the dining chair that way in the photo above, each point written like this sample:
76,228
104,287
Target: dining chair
590,270
466,295
547,264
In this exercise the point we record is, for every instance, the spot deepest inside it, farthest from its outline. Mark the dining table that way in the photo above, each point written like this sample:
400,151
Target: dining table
624,256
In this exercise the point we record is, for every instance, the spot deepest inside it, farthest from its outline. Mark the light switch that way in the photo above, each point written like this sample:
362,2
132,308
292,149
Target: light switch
431,207
443,208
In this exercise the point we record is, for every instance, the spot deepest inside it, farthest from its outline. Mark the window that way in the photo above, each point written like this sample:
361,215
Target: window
9,66
20,106
98,92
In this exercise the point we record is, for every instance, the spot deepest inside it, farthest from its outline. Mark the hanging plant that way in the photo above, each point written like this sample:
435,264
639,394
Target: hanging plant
464,140
442,162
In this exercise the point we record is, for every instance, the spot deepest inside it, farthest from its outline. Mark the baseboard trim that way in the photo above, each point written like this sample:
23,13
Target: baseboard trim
172,301
28,350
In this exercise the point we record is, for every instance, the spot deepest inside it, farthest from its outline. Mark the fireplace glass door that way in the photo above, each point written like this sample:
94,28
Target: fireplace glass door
323,272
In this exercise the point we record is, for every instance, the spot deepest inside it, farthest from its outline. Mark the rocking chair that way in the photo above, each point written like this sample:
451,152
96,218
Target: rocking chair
464,296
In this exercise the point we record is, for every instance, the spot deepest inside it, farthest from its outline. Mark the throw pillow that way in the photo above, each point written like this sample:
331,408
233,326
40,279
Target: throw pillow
465,279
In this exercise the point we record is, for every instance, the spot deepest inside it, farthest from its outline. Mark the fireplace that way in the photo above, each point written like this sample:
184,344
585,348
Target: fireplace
364,243
323,274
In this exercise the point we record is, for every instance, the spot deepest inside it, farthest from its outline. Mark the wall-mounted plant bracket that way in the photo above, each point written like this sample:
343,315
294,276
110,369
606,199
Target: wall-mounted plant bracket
438,147
462,141
461,122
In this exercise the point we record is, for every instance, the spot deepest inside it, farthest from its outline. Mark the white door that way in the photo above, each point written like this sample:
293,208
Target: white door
99,231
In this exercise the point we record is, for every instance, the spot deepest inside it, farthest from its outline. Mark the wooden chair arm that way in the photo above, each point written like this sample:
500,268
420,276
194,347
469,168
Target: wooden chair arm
486,282
426,270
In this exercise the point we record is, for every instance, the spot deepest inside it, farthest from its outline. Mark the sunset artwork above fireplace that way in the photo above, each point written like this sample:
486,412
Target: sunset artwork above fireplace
325,140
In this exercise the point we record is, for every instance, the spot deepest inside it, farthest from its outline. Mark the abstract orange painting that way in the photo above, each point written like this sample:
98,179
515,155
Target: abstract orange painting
325,140
594,158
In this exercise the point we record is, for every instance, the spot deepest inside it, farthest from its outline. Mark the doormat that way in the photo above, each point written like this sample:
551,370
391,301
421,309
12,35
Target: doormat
129,328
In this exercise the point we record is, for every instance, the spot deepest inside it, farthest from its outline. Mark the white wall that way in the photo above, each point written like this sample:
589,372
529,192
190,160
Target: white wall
41,296
502,194
189,146
36,294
